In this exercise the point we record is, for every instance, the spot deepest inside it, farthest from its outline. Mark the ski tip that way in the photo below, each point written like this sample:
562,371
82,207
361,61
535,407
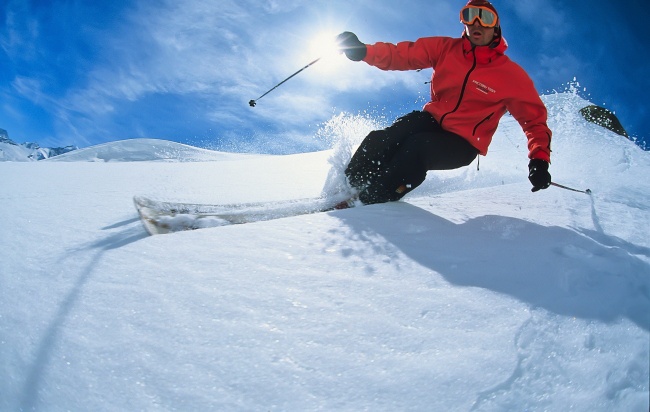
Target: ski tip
140,199
146,217
149,220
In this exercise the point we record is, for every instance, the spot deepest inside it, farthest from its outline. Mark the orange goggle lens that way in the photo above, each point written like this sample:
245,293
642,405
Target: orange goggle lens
485,16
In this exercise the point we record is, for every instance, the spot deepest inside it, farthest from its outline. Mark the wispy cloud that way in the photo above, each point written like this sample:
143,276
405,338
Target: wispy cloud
223,54
542,18
228,51
19,34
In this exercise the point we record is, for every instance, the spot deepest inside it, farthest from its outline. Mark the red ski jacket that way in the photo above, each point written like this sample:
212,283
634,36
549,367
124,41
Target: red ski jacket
471,88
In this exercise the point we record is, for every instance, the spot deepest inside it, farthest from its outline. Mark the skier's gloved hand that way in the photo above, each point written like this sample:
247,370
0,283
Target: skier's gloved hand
350,45
538,174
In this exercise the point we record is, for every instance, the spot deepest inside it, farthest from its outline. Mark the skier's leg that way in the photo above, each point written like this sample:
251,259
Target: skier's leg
407,169
380,146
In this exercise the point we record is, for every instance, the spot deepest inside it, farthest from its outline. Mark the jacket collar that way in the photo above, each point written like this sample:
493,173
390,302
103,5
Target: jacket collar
485,54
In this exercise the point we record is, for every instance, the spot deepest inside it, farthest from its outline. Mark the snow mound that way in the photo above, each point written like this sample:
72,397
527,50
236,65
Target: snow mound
138,150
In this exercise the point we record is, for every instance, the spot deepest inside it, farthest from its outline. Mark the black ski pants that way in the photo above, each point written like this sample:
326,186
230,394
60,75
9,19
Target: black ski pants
391,162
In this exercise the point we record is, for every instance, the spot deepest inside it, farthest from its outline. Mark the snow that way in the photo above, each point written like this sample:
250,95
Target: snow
26,152
18,153
470,294
143,150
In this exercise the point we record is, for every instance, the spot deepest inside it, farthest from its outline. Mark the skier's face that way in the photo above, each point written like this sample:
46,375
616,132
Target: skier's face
479,35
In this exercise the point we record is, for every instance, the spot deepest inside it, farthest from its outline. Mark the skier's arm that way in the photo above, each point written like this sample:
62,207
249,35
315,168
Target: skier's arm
529,110
420,54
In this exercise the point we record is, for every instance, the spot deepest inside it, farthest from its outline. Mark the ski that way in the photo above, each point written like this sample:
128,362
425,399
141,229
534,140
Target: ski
160,217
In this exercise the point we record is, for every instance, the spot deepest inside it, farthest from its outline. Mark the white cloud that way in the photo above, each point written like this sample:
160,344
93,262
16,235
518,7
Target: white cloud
206,46
557,69
540,16
228,53
29,88
182,47
20,32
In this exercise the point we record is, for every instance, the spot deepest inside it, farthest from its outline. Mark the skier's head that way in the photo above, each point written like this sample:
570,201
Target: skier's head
481,10
481,20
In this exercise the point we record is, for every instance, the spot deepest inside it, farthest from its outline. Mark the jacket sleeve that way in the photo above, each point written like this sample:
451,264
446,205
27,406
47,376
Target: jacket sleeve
529,110
420,54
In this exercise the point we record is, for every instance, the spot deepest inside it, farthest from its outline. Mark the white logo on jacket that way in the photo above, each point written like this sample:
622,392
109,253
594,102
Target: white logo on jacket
483,88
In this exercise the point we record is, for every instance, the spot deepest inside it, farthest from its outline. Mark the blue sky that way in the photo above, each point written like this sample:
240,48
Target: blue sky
86,72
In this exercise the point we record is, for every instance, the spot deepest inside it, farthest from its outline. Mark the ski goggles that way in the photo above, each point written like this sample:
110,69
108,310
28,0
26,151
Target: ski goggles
485,16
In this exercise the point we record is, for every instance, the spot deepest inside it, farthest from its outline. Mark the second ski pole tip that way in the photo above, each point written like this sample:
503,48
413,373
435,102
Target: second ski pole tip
252,103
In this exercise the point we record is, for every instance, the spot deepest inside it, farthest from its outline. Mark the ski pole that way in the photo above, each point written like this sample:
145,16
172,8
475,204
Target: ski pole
588,191
252,103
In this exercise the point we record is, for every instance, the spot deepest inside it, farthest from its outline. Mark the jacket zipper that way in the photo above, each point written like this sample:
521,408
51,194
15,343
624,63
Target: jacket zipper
481,122
462,90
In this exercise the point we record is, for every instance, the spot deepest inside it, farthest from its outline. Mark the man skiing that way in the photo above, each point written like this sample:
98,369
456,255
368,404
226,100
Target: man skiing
472,87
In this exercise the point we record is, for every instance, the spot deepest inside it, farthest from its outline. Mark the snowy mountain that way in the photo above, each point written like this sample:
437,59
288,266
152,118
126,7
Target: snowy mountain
27,152
11,151
470,294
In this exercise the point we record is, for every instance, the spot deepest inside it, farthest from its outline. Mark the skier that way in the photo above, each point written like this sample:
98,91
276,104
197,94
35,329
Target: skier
472,87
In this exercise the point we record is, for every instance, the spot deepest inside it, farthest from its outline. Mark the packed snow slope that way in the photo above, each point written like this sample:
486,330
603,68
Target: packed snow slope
471,294
139,150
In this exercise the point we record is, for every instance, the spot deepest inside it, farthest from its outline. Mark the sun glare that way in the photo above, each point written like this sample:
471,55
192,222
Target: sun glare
324,46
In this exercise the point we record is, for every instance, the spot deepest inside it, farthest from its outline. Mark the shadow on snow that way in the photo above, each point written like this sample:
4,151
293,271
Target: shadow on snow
584,275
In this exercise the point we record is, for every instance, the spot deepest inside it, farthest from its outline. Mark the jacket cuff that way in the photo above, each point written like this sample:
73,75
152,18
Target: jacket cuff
370,54
540,154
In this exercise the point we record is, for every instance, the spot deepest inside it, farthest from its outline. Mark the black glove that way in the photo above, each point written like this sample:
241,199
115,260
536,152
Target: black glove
350,45
538,174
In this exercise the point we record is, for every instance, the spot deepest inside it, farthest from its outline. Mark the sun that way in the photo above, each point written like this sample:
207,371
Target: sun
325,47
